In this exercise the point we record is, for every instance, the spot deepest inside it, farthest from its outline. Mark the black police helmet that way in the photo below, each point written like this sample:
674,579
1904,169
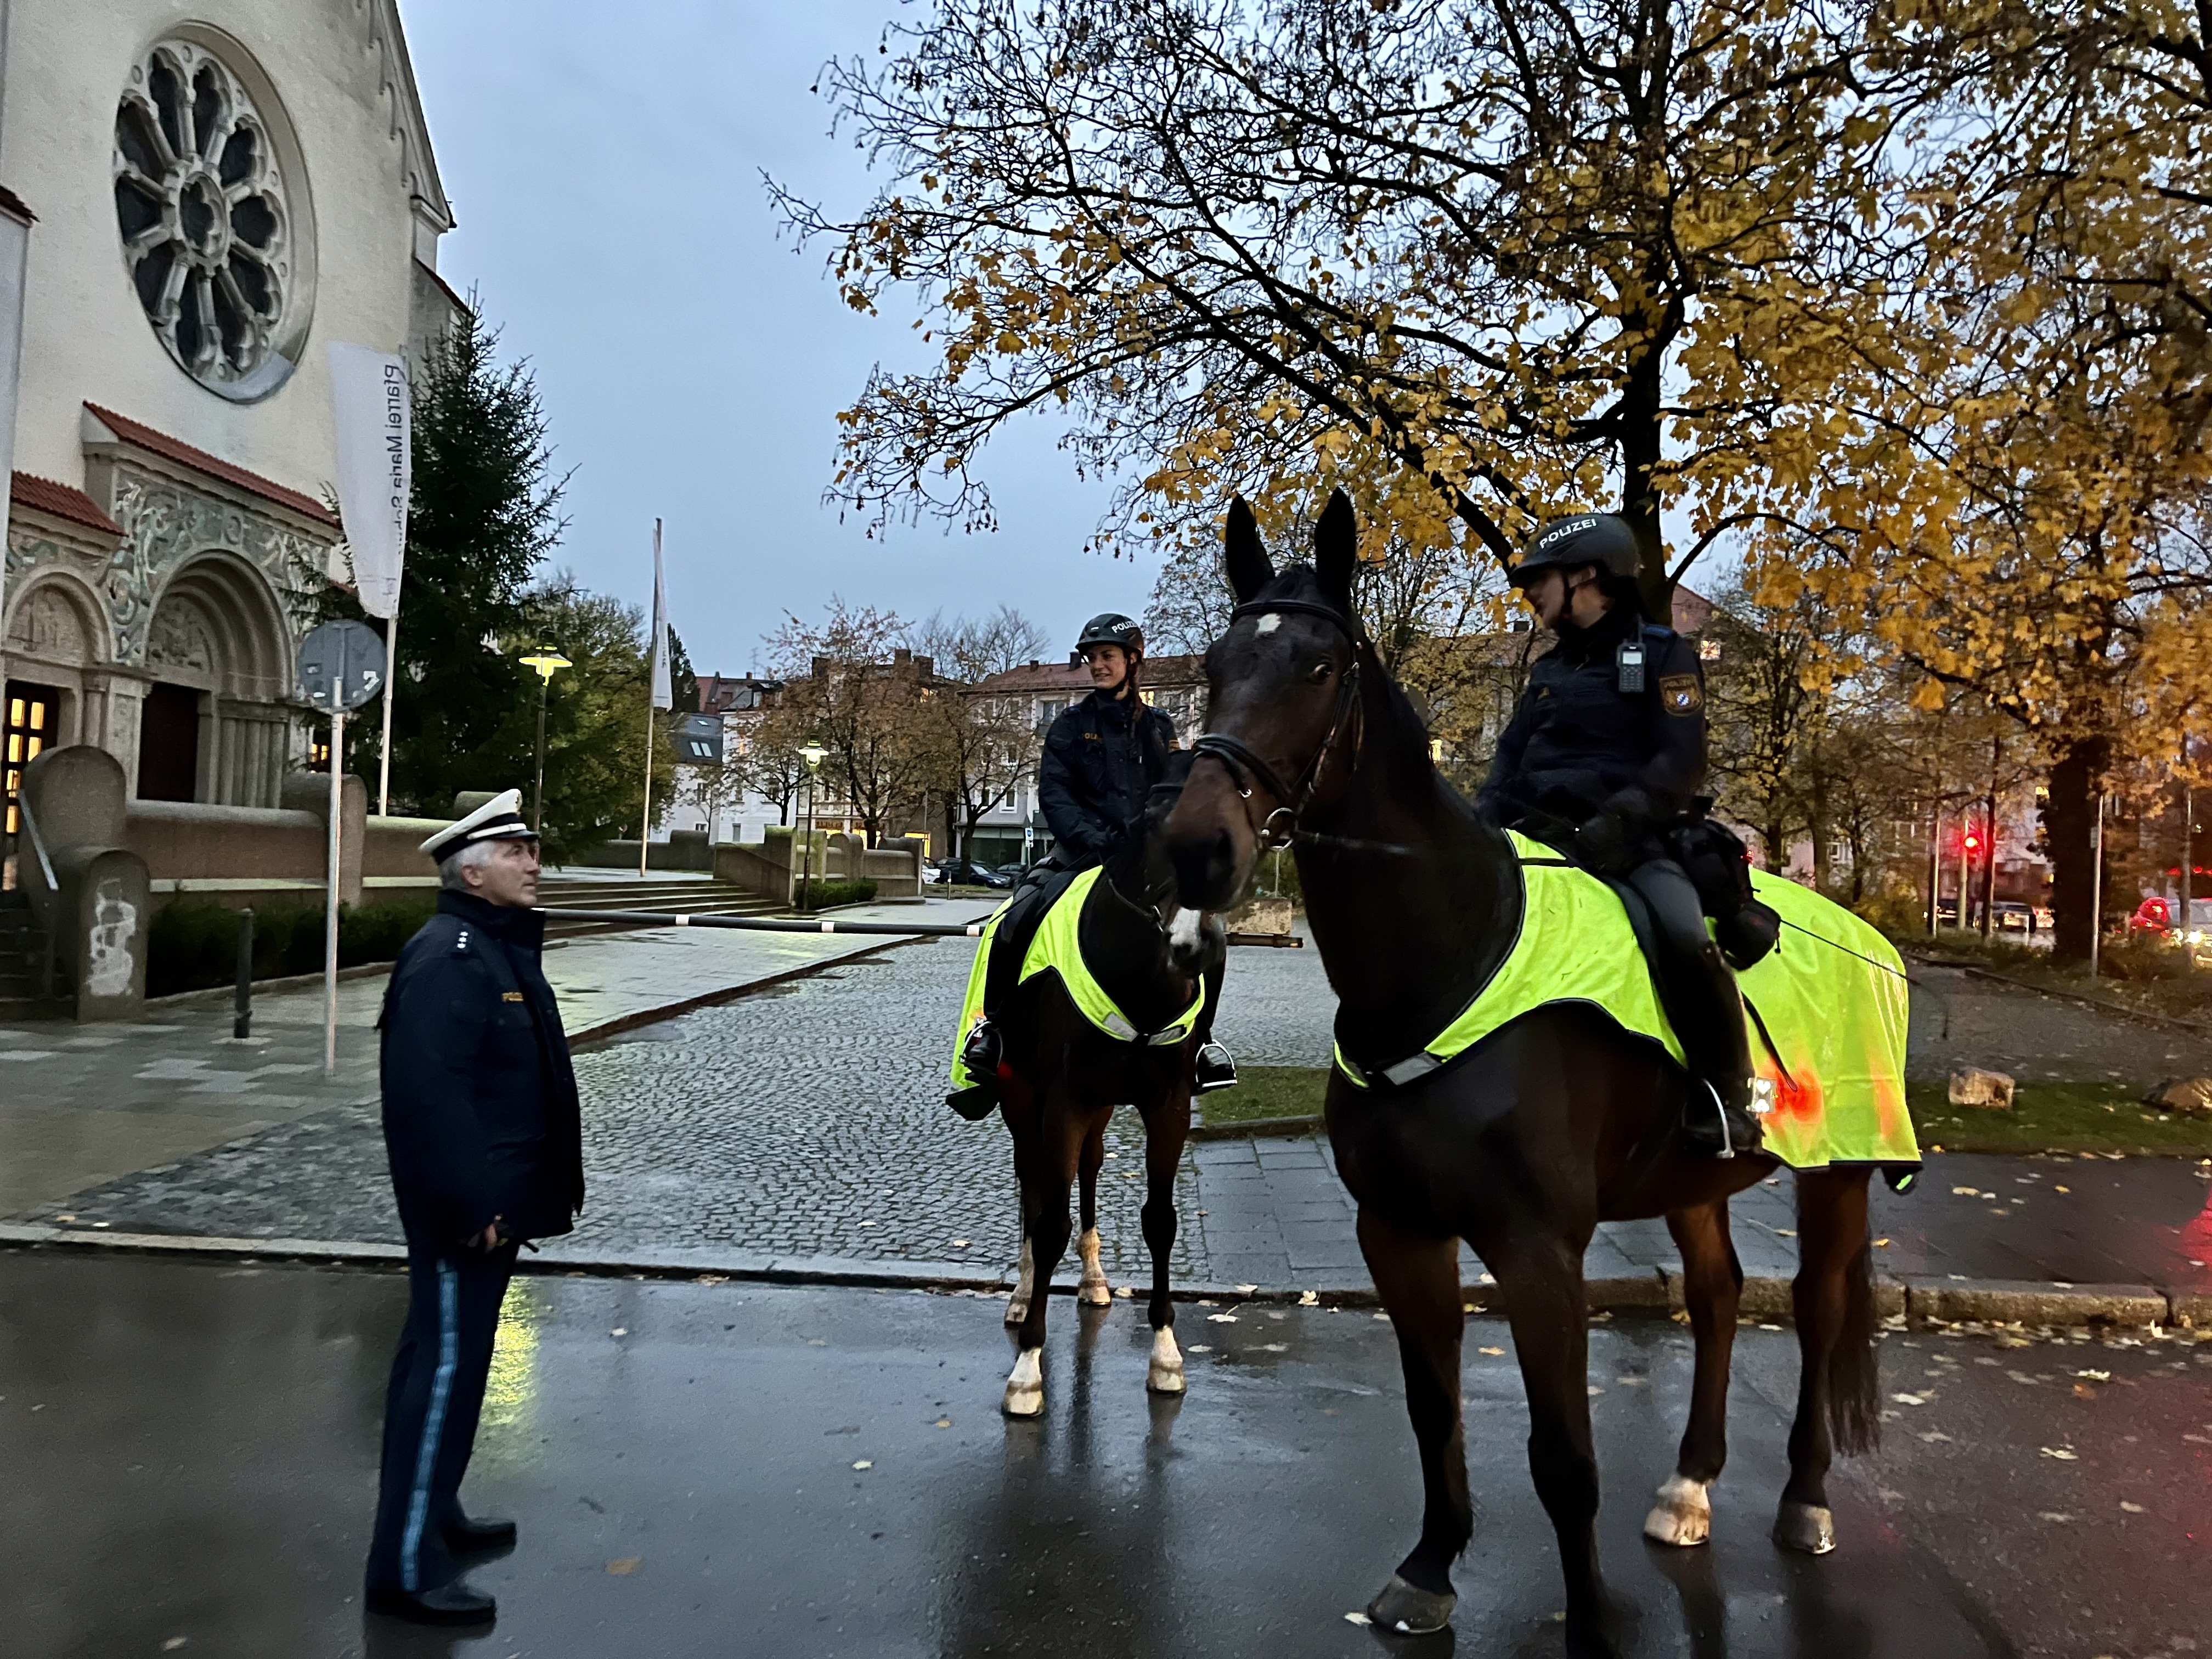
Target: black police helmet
1603,539
1112,627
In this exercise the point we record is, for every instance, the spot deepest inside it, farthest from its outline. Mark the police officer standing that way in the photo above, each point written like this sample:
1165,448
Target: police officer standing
1603,760
481,1127
1103,756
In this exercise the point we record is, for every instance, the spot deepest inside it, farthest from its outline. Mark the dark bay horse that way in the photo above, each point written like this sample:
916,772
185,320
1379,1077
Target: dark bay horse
1062,1076
1525,1142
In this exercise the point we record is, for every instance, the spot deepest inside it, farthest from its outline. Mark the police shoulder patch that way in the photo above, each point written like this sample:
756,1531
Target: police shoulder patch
1680,693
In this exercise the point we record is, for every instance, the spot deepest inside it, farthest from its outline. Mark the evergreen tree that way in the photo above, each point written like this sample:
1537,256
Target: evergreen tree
484,513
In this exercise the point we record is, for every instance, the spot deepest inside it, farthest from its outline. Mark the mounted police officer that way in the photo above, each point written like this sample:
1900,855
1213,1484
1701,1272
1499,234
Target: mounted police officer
1103,755
481,1127
1603,760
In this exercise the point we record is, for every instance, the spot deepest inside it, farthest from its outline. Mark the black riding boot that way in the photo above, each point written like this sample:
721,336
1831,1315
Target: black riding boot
1699,991
981,1055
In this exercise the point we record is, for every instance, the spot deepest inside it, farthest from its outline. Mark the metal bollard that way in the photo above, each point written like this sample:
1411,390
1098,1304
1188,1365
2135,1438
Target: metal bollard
242,1023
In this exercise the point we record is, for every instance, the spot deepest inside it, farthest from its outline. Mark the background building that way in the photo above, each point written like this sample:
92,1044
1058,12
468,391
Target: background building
220,191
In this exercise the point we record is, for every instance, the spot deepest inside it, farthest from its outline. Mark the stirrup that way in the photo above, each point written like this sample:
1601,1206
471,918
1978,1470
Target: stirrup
1212,1068
1726,1147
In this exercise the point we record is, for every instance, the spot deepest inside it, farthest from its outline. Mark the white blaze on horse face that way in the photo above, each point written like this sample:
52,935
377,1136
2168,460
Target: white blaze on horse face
1165,1376
1183,936
1271,622
1094,1291
1684,1513
1024,1395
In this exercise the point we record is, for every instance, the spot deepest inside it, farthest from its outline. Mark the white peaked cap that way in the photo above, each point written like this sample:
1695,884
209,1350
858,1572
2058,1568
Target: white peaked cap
499,818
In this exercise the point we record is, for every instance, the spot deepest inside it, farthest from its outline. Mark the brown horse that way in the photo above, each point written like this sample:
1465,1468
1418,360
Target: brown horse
1062,1076
1522,1144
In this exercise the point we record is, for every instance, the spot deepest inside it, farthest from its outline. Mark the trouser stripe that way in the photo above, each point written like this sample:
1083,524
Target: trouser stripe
433,1424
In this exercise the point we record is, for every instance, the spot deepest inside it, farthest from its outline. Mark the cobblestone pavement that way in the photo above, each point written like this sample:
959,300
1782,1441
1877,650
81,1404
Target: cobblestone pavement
807,1121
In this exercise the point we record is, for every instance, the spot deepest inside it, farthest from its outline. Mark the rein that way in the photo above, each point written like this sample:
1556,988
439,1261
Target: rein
1246,766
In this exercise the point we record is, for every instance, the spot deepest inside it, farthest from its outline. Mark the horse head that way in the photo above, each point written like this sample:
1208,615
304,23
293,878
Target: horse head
1144,874
1282,709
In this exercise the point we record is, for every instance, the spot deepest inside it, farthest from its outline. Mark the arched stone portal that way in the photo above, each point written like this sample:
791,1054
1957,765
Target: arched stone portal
214,726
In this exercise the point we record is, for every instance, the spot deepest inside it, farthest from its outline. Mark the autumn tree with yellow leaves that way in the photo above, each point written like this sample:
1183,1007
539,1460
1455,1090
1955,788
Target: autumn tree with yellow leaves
1480,262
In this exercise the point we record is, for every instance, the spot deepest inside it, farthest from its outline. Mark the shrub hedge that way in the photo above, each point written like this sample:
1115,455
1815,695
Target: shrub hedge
827,894
194,942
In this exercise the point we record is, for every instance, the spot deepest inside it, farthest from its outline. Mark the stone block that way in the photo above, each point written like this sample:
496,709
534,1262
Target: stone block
1987,1091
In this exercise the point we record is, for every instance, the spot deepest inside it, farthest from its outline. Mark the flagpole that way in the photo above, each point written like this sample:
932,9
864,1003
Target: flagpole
384,753
652,662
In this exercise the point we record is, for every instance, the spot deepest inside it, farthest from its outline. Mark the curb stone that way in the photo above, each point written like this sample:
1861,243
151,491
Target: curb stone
1920,1302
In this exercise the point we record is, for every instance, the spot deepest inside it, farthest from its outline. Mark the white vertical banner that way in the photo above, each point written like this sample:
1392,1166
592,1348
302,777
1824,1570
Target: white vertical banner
376,465
663,695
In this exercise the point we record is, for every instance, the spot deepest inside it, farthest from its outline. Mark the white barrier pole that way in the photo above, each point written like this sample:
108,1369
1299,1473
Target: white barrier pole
331,883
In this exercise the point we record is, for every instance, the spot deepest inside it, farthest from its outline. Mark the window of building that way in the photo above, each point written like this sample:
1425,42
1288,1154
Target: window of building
209,202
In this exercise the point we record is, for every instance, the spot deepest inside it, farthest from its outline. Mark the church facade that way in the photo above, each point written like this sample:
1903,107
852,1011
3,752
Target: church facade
215,191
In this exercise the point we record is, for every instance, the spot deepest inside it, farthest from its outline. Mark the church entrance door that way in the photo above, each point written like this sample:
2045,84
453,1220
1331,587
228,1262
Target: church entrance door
32,712
169,743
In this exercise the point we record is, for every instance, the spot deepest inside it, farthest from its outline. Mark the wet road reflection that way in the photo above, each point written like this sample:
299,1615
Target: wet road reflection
731,1469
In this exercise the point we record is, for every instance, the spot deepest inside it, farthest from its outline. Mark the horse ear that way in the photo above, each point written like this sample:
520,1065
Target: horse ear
1336,550
1246,561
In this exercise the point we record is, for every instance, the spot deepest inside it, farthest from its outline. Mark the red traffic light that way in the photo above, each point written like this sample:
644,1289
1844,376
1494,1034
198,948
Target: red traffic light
1973,843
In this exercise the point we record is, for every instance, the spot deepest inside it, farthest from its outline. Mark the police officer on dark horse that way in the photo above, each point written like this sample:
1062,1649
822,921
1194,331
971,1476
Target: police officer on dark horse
1523,1138
1103,756
1603,760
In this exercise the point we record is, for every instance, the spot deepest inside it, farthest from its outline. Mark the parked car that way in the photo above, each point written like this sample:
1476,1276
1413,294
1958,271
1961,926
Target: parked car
966,872
2159,917
2013,917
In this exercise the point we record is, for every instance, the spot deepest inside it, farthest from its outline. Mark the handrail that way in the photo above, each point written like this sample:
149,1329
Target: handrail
37,842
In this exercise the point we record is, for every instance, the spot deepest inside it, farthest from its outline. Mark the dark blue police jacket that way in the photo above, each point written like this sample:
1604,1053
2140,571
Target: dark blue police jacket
480,1111
1101,758
1578,745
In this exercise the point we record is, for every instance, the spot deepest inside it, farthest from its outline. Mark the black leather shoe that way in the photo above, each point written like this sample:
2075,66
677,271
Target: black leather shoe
448,1604
1213,1069
485,1532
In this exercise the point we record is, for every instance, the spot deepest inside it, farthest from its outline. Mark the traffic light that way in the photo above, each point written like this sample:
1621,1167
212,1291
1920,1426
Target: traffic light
1973,841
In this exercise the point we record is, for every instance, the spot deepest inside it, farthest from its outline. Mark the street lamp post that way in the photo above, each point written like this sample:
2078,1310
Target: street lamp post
547,662
811,754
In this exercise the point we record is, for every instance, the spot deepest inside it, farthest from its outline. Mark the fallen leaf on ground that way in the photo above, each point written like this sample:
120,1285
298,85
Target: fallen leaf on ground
1308,1298
623,1565
942,1422
864,1463
2132,1508
1492,1350
619,1330
1356,1619
2059,1452
2053,1515
1246,1290
1934,1435
1198,1347
1274,1348
959,1243
1965,1192
1881,1243
2062,1189
1221,1319
1908,1399
2083,1391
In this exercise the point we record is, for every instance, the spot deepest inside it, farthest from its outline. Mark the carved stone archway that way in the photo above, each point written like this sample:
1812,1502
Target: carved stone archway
218,634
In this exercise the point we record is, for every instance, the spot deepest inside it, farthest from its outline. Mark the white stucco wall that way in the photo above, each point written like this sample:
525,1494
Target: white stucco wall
85,336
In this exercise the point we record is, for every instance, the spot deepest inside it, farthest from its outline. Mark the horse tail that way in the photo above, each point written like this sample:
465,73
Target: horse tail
1854,1362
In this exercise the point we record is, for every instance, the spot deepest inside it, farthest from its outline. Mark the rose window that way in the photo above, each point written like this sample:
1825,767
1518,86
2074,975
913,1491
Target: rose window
202,203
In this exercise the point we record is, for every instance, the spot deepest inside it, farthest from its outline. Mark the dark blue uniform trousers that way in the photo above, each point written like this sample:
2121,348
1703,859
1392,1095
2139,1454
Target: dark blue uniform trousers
431,1412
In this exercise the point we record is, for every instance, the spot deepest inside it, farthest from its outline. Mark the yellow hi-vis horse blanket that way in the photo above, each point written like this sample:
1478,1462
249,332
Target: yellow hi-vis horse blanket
1827,1007
1058,949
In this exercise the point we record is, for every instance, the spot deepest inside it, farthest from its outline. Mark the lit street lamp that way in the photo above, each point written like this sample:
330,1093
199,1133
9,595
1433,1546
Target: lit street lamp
811,753
547,662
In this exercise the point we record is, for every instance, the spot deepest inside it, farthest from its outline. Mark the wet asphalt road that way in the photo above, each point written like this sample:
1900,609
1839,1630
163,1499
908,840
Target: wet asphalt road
189,1452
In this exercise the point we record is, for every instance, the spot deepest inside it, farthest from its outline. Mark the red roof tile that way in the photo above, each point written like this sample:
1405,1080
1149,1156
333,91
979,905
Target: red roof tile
175,449
60,502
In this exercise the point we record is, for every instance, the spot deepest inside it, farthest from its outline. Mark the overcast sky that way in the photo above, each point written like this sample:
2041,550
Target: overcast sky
604,165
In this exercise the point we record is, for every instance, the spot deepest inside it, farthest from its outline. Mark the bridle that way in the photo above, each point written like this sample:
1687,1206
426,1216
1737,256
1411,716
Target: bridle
1246,766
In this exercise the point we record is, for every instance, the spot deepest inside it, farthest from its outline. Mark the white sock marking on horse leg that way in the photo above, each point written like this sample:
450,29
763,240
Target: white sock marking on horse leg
1025,1386
1017,1304
1165,1376
1684,1513
1094,1291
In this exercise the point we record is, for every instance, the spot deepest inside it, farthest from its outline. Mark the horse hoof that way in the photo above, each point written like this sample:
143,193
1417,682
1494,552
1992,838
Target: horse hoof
1017,1310
1683,1516
1406,1609
1095,1293
1164,1375
1024,1395
1807,1528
